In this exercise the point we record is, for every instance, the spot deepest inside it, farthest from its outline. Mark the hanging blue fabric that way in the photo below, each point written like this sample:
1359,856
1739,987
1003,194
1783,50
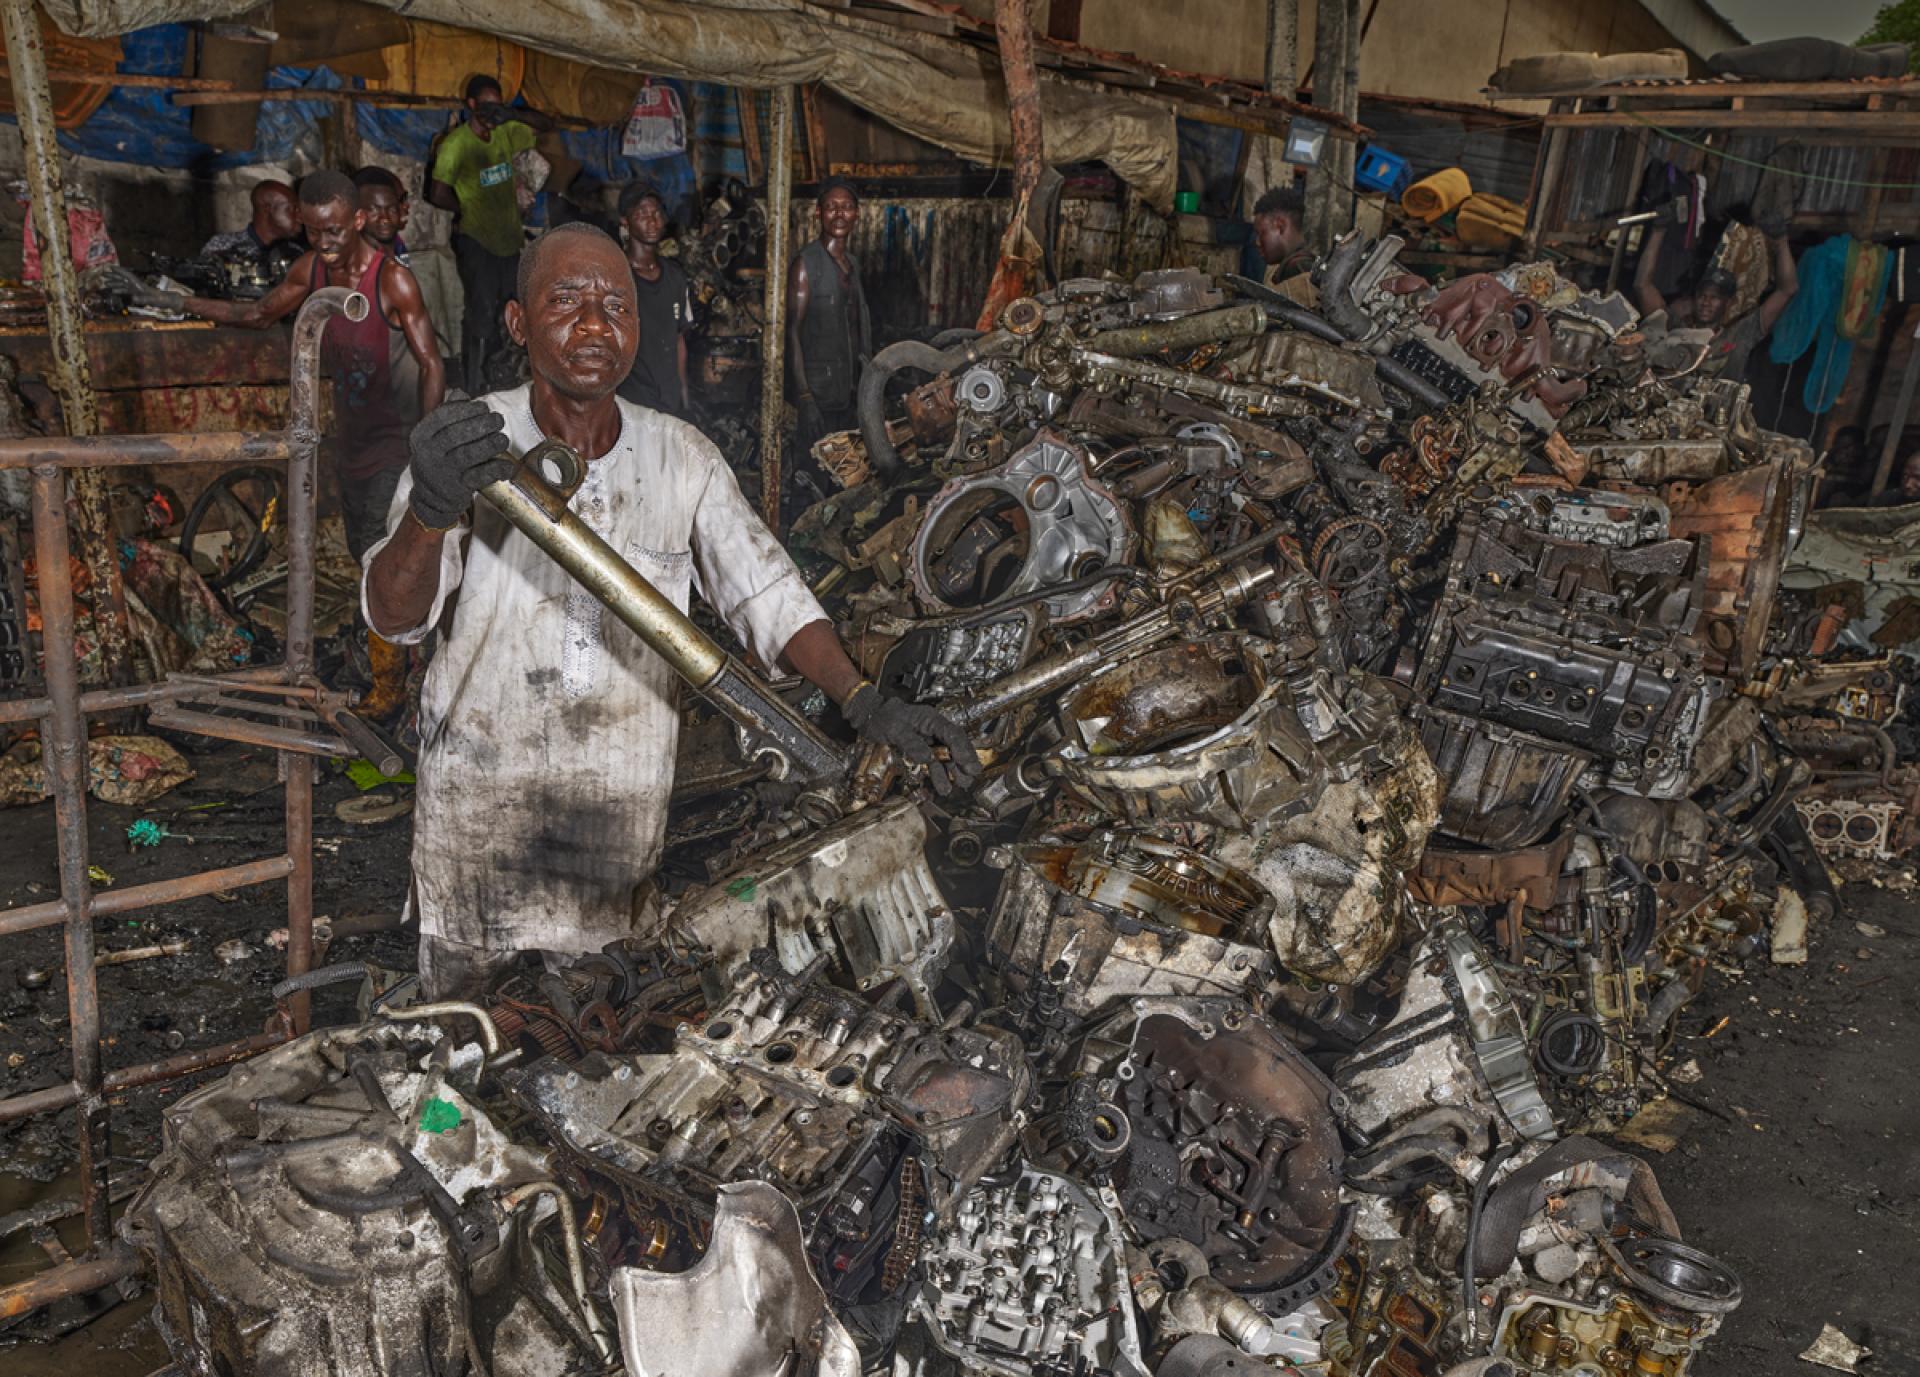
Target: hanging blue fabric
1812,318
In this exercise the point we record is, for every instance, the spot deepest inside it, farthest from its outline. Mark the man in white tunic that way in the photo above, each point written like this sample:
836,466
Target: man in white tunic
547,728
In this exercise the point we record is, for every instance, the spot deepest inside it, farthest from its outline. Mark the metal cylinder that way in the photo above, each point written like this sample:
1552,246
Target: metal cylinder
1186,332
645,610
773,331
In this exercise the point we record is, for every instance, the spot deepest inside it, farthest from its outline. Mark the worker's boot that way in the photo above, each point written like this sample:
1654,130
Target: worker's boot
389,692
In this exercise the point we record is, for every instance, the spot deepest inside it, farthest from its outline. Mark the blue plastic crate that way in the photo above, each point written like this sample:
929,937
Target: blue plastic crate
1379,170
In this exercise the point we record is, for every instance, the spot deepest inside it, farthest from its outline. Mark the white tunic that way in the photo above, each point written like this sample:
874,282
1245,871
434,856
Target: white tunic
547,730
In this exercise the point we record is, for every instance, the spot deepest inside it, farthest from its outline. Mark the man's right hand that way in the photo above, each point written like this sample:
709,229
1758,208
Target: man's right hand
456,451
118,281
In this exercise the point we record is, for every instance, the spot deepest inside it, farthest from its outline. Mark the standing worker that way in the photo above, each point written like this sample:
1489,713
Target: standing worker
829,336
1733,341
386,370
473,176
548,728
664,303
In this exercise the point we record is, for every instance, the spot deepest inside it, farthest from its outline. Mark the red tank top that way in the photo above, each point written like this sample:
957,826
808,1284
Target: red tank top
374,405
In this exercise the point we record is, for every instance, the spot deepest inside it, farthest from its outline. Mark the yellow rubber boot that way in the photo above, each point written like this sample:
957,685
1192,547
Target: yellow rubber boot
389,692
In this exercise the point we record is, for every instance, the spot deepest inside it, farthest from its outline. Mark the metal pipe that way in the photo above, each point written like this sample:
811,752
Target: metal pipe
146,451
250,732
140,695
69,1279
303,393
541,515
1132,638
1187,332
32,916
489,1034
16,1107
773,330
64,744
365,740
576,1265
66,327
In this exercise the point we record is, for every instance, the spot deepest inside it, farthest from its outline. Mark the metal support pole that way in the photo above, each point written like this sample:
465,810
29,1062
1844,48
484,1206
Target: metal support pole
66,327
773,338
64,750
303,394
1902,409
1283,48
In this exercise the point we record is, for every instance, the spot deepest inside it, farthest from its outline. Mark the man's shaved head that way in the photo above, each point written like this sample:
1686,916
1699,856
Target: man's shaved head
326,186
276,215
570,237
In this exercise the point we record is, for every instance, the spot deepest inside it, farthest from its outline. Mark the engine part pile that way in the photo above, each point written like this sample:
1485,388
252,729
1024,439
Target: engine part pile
1390,712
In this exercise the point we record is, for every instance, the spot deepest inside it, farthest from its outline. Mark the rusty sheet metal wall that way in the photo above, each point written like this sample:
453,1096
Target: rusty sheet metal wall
925,262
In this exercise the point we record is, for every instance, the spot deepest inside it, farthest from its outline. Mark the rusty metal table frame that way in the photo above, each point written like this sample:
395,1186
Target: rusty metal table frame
62,716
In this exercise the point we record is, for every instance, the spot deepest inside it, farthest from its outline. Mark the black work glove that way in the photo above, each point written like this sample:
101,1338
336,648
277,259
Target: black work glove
913,729
457,451
118,281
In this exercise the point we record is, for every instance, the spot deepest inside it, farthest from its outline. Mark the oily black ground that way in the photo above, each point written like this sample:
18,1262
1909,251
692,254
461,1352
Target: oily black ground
1800,1168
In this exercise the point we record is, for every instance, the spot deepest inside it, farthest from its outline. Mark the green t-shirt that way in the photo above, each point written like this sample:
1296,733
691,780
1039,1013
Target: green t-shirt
480,171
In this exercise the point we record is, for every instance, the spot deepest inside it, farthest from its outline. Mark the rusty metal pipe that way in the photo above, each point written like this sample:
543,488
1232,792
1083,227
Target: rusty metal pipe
64,754
773,329
34,916
53,1097
251,733
1187,332
303,392
145,451
140,695
69,1279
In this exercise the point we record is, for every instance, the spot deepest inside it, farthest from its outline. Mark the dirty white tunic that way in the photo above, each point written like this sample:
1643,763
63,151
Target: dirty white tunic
547,729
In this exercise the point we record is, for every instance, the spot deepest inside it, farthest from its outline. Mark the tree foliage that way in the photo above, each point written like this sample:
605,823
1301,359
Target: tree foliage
1898,22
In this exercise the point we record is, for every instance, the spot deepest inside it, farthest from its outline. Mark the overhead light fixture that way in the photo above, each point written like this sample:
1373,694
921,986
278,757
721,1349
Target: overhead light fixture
1305,141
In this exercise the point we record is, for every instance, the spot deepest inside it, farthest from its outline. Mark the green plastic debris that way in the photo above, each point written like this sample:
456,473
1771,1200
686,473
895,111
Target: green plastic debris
439,1116
743,888
366,775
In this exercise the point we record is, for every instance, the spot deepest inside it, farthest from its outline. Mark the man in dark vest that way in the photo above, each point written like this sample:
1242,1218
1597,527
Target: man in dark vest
829,338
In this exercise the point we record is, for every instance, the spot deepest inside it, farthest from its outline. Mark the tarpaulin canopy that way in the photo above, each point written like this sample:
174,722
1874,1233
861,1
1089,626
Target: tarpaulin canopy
947,93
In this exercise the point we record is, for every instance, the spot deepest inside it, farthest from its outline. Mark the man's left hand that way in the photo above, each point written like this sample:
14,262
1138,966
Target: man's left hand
914,730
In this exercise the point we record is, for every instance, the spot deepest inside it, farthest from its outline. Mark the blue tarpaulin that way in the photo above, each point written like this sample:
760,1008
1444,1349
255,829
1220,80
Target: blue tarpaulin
141,125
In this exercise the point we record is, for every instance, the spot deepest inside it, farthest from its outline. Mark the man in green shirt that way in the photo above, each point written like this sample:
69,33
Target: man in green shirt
473,176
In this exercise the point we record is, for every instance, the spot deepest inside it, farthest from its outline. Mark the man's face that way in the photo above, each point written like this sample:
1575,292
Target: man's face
1910,477
647,222
1709,306
839,212
280,212
1276,236
577,322
334,230
385,212
478,101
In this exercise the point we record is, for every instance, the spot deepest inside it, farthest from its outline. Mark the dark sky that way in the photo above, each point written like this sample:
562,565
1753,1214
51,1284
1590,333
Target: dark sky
1761,20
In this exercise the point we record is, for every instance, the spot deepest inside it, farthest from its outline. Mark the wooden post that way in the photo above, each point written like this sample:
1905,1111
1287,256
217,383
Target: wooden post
1283,47
773,337
1016,272
66,331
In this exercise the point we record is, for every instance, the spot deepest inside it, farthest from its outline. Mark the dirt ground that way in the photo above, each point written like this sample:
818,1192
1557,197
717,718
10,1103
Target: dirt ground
1798,1163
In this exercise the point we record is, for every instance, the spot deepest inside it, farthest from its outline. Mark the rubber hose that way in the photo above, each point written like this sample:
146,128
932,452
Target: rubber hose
1671,1000
958,334
1803,864
327,975
1336,301
1401,1151
1425,393
882,457
1469,1281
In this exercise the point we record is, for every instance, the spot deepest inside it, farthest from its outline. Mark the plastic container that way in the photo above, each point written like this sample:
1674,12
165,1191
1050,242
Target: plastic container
1377,169
1187,202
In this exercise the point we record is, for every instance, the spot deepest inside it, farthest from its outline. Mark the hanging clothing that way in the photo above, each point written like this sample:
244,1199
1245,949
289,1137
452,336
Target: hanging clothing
1812,319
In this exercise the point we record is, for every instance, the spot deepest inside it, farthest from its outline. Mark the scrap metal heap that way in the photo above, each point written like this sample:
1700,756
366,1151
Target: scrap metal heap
1386,724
